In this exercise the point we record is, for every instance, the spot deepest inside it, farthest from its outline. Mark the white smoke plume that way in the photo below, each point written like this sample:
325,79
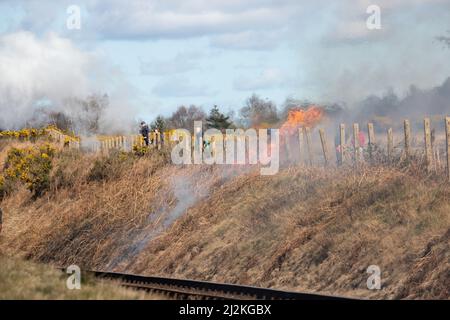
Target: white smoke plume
49,74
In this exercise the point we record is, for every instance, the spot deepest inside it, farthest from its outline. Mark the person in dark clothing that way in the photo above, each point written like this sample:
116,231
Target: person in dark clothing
145,132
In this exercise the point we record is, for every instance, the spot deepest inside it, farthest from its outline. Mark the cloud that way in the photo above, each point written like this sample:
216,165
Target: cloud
179,86
178,19
159,19
268,79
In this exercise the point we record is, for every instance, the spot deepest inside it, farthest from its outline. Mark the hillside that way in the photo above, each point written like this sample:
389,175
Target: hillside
305,229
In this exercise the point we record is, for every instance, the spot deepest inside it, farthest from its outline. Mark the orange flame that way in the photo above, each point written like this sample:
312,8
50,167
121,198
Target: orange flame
303,118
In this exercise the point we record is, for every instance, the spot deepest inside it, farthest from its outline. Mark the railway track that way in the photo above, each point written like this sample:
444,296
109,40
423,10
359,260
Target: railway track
203,290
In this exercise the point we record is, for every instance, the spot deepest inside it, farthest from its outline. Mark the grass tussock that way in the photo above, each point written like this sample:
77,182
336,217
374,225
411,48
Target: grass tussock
309,229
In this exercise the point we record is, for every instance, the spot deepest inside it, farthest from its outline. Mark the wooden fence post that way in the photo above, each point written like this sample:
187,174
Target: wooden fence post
341,143
158,140
356,142
427,139
447,142
308,145
407,129
390,144
371,134
301,147
324,146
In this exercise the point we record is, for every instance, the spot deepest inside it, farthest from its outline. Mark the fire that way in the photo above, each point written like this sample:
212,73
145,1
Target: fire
303,118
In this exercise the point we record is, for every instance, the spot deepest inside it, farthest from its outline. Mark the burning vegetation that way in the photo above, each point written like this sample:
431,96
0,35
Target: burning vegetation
299,117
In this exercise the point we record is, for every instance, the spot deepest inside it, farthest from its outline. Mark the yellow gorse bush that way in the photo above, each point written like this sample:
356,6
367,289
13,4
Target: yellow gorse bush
140,150
32,134
27,133
31,166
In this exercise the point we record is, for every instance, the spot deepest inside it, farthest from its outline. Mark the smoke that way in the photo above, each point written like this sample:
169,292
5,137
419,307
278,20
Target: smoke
40,76
415,104
186,188
342,60
186,196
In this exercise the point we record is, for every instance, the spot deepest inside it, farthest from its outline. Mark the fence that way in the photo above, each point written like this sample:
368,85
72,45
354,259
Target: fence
435,149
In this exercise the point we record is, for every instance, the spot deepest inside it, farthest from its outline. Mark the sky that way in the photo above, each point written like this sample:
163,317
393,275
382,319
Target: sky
153,56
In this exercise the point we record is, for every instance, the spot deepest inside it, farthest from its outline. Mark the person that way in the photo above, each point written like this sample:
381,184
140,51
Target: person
145,132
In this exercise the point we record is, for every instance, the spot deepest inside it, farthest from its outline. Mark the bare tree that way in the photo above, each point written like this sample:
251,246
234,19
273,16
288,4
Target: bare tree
92,109
183,118
257,112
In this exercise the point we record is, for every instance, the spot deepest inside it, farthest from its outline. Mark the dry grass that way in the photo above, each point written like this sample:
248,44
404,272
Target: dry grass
306,229
30,281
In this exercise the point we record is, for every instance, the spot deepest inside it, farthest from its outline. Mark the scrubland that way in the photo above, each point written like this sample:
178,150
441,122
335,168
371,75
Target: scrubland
305,229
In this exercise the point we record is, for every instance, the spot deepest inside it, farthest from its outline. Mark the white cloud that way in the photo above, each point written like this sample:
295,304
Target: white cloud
145,20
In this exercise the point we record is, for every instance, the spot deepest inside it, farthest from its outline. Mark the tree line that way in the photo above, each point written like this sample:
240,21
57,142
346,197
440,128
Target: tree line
256,113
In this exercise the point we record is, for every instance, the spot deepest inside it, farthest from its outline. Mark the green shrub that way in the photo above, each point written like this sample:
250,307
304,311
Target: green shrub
31,166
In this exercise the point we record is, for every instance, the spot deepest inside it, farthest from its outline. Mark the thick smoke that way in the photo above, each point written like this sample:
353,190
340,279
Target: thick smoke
40,76
415,104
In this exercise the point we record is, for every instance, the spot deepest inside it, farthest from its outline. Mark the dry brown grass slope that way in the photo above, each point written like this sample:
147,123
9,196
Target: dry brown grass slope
302,229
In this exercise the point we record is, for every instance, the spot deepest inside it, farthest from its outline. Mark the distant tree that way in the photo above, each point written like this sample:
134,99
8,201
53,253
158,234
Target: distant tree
60,120
183,118
258,112
159,123
218,120
93,108
73,114
85,114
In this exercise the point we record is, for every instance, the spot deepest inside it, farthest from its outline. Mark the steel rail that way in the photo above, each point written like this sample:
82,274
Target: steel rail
204,290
